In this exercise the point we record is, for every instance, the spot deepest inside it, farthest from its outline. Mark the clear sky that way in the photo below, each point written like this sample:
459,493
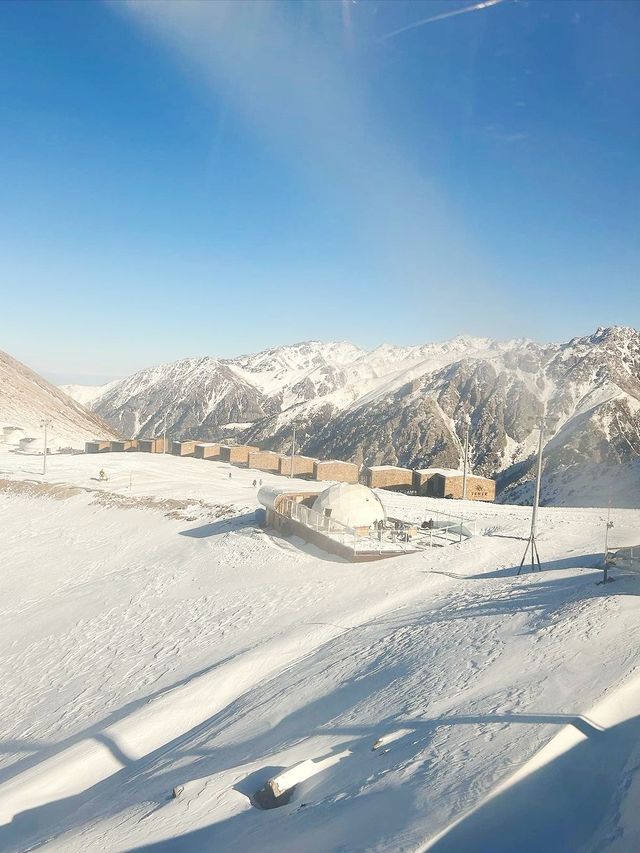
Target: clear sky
214,178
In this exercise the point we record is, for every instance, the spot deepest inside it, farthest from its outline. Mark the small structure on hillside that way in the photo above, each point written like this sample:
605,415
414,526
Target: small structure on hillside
236,454
32,445
302,466
351,504
335,469
422,476
449,482
349,519
388,477
183,448
97,446
124,446
264,460
153,445
279,504
443,485
11,435
626,559
207,450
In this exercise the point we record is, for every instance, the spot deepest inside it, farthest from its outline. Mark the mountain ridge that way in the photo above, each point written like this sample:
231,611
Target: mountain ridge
404,405
26,398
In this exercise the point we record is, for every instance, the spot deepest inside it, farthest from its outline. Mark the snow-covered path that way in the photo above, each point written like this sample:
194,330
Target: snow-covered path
170,647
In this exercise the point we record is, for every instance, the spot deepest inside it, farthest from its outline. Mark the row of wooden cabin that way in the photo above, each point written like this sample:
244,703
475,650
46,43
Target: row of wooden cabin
269,461
434,482
141,445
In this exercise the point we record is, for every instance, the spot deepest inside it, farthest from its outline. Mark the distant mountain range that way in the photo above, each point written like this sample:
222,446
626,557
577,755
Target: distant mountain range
405,405
26,398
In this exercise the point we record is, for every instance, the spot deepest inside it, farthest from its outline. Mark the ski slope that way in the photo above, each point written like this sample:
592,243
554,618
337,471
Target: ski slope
155,639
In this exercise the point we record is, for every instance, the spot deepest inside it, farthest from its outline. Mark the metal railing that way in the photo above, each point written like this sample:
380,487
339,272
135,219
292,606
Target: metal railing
392,539
427,514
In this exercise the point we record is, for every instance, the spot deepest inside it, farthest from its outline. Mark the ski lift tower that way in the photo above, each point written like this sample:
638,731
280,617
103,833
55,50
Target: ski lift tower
531,542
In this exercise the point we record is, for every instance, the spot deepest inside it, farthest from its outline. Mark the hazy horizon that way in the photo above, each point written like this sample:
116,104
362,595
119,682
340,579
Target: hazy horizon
91,379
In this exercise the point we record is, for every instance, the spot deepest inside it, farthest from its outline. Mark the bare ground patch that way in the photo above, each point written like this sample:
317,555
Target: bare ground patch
30,488
181,510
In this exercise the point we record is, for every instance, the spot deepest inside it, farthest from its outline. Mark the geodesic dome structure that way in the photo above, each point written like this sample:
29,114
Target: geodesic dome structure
350,504
36,445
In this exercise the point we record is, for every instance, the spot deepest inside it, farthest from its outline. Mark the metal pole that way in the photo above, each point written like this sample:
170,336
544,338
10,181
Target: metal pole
605,578
531,541
45,424
164,434
466,460
606,533
536,501
293,449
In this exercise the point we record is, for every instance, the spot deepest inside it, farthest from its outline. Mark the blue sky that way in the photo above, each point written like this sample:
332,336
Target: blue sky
215,178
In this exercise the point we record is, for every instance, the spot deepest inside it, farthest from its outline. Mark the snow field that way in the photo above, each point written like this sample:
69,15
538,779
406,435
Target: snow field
155,639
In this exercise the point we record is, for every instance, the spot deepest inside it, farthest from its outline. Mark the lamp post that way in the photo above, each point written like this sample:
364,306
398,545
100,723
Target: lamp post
531,542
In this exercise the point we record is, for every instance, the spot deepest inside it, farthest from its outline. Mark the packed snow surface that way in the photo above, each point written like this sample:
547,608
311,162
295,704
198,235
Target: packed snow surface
154,639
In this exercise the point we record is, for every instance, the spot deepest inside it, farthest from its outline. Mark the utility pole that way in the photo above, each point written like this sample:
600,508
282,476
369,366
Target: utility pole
164,434
45,423
606,577
293,449
466,460
531,542
607,529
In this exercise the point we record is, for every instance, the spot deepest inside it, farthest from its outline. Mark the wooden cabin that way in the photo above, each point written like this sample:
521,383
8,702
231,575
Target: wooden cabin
450,486
388,477
302,466
183,448
335,469
236,454
423,476
264,460
207,450
125,446
152,445
97,446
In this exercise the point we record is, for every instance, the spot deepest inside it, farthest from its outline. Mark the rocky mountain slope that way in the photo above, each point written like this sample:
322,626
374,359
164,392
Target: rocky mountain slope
405,405
26,398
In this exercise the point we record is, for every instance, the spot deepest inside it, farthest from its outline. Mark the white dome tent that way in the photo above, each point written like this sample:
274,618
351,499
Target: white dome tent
35,445
350,504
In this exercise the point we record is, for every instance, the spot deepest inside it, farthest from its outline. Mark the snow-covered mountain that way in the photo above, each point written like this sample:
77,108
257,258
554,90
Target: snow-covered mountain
86,394
26,398
405,405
